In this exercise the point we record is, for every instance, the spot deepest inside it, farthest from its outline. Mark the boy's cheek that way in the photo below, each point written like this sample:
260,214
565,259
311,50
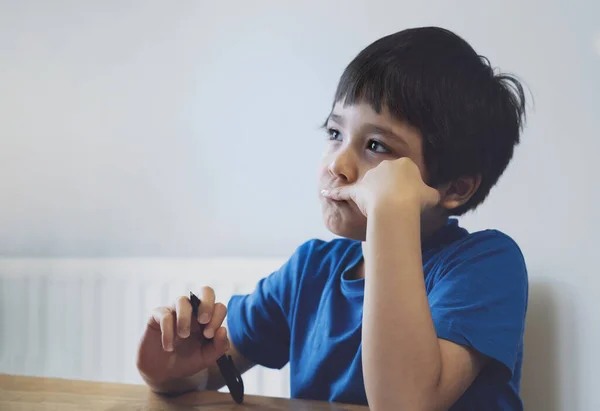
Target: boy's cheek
323,176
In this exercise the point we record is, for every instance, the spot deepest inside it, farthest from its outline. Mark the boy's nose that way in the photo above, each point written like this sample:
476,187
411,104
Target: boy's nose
343,166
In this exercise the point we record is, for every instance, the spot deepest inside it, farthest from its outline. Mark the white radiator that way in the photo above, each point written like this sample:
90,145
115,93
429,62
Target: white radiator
83,318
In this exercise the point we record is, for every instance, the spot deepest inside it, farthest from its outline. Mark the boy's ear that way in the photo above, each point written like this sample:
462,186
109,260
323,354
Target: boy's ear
458,192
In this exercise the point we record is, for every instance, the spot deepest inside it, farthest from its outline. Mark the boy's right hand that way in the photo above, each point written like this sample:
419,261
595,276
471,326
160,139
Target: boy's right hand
174,345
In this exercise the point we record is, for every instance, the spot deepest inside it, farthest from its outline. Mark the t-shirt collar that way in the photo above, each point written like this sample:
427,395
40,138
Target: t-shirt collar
354,288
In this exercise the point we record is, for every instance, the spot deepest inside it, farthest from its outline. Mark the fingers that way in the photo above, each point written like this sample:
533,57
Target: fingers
218,315
207,297
165,318
218,346
183,309
178,321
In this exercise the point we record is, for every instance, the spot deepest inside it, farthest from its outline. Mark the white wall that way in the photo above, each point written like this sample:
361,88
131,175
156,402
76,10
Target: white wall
125,126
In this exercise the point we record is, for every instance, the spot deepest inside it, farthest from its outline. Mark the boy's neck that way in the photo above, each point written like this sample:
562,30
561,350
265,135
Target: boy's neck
427,230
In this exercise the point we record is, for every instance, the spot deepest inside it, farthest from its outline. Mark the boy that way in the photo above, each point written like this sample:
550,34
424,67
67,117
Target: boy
407,311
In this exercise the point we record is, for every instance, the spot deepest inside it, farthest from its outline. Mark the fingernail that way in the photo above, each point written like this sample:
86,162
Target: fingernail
208,333
325,192
184,333
169,347
204,318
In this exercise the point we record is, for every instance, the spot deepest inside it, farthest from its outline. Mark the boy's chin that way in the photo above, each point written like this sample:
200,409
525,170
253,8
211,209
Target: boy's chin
350,231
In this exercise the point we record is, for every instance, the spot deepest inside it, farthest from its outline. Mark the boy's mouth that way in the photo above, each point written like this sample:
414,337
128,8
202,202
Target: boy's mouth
329,199
348,205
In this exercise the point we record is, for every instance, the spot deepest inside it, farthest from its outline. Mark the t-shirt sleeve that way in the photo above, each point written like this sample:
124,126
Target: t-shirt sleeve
480,300
259,323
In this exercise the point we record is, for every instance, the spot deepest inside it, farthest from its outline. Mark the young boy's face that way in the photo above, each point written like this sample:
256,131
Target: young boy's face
358,140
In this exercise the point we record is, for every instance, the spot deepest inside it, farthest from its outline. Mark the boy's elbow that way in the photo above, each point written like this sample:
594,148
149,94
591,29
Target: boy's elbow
389,404
393,398
404,406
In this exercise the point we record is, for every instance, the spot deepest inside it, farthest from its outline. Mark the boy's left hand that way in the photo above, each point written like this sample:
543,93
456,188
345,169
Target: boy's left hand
392,182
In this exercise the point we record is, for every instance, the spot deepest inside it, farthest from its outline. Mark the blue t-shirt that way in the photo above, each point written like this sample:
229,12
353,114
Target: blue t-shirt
308,313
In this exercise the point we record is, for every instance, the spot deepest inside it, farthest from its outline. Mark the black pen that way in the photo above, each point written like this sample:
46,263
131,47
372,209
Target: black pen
232,376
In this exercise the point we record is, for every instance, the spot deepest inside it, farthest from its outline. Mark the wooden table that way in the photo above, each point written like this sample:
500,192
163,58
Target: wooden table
34,393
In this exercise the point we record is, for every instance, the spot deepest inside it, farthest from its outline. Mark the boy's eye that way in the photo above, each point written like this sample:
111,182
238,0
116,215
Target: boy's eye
377,147
334,134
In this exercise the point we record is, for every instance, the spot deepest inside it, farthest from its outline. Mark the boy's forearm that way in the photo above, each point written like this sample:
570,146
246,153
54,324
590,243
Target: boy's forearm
401,353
